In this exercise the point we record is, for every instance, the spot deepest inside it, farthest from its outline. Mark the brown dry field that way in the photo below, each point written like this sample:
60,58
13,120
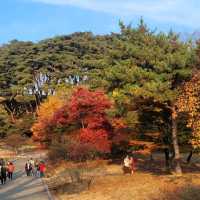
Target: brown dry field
149,182
140,186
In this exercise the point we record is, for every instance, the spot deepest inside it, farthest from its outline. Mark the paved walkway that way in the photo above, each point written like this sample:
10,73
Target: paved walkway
23,187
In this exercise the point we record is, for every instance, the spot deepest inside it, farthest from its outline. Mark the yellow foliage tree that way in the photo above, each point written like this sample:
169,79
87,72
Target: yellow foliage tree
45,114
189,102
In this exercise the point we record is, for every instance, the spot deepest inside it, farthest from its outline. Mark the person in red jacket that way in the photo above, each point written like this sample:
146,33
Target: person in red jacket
10,170
42,169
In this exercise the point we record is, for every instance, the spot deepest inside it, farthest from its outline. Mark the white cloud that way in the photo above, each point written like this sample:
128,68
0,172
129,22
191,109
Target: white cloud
181,12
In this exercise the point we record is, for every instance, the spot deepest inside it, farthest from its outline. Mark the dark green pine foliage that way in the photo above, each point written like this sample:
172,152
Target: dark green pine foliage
130,64
30,72
146,64
148,67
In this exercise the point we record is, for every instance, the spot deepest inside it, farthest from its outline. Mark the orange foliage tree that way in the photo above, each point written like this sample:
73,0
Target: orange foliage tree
189,102
41,129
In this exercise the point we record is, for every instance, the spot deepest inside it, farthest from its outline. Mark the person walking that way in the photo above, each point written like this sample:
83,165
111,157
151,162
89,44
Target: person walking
3,174
28,168
10,169
0,172
32,171
37,168
42,169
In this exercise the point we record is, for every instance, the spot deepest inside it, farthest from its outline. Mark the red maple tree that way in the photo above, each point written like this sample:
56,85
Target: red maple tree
88,111
88,108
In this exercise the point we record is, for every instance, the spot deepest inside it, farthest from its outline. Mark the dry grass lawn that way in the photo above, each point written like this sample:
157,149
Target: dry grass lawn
142,185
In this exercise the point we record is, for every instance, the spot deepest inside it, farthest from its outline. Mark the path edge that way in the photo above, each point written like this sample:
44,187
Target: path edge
50,196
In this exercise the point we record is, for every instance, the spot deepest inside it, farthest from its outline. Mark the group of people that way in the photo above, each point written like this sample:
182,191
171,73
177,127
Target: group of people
129,164
6,171
35,168
32,168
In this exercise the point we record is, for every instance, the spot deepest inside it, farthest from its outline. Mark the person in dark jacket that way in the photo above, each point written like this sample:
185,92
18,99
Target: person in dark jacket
3,174
28,168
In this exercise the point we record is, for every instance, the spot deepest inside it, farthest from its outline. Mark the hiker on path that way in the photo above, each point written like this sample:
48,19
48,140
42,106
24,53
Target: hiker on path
37,168
32,162
28,168
10,169
3,174
42,169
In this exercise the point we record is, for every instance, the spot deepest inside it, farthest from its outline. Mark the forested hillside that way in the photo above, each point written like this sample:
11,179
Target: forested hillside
141,72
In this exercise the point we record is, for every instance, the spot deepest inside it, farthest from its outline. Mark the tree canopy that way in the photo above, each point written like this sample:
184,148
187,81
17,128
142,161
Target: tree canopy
141,71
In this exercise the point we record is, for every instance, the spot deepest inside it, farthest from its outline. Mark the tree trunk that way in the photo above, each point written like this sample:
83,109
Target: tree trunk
151,157
11,113
177,157
167,158
172,156
36,103
12,117
189,156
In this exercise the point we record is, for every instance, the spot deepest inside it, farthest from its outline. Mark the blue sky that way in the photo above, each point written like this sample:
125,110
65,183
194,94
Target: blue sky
38,19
